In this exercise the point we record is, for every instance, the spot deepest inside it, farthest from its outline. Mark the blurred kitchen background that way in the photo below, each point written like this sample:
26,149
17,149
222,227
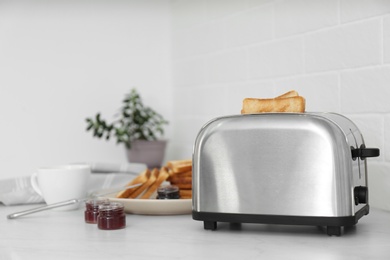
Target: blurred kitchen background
191,60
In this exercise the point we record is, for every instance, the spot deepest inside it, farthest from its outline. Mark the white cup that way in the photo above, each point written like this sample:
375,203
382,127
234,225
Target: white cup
61,183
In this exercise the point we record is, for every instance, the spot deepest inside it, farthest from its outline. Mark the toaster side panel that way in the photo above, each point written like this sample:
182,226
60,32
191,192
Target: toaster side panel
355,140
284,164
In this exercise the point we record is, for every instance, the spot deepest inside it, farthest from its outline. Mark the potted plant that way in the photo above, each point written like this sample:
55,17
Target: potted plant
136,126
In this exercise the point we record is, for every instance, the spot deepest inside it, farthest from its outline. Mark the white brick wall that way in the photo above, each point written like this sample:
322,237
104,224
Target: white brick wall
249,27
352,10
226,66
336,53
298,16
344,46
64,61
365,90
275,59
386,39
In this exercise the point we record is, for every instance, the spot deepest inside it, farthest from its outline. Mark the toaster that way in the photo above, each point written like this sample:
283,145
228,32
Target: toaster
281,168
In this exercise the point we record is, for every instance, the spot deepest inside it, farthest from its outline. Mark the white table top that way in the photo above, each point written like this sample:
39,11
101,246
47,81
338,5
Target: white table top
65,235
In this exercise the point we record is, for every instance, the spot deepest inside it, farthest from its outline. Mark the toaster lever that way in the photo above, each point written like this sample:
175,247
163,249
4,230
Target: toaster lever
364,152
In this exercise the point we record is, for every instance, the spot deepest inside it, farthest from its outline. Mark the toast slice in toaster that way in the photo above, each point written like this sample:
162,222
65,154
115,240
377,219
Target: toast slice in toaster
291,93
287,102
294,104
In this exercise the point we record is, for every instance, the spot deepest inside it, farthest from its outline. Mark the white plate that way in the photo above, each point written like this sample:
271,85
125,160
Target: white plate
154,206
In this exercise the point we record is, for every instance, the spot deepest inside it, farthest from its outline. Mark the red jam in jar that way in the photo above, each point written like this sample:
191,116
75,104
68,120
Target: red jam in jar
92,209
111,216
168,192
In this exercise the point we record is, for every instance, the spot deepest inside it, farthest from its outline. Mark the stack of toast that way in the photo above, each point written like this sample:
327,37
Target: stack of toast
178,173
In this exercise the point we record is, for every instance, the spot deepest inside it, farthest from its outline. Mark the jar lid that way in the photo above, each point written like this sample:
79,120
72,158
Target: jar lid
168,192
111,206
96,202
168,189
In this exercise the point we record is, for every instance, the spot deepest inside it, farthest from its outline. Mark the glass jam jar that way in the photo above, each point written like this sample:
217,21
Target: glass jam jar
92,209
111,216
168,192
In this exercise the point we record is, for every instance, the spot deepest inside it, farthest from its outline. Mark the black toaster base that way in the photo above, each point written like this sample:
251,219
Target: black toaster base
333,224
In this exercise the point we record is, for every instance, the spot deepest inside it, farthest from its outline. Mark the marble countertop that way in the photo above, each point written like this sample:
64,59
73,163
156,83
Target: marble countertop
65,235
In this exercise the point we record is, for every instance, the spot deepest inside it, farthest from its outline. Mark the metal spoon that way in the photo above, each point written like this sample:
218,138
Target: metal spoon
69,202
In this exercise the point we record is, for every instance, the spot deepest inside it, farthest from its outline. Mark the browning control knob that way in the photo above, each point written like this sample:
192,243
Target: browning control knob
361,195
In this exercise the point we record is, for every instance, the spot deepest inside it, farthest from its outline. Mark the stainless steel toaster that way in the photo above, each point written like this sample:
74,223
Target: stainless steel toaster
281,168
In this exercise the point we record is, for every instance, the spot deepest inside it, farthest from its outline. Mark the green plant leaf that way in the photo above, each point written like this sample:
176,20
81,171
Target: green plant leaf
134,121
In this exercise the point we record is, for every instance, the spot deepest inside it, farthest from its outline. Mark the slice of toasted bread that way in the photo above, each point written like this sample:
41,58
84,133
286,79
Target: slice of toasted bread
184,186
180,166
185,194
180,179
291,93
162,176
173,175
152,178
292,104
141,178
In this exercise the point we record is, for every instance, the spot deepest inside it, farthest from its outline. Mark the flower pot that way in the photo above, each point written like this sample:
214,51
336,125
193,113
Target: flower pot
150,153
